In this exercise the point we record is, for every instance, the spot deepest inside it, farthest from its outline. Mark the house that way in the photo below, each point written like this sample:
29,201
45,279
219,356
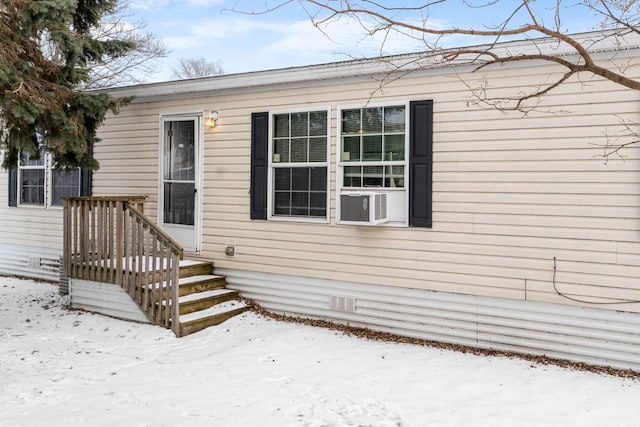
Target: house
403,207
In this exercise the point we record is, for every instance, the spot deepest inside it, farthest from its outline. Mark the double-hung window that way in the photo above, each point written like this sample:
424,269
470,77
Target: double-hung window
39,184
299,167
373,154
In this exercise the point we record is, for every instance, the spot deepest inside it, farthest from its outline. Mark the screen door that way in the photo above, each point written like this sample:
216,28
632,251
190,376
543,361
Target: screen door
179,201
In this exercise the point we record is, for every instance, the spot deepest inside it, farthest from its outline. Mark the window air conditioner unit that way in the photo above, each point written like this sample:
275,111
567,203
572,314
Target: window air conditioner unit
364,208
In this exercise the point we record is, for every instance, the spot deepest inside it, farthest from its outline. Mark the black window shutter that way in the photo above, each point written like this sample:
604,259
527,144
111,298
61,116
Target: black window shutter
259,164
13,187
420,163
86,178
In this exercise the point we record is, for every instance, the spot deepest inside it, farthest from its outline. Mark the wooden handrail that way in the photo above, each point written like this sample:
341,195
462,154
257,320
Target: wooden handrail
175,245
110,240
136,200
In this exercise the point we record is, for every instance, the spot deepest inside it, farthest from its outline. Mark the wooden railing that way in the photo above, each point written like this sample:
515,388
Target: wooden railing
110,240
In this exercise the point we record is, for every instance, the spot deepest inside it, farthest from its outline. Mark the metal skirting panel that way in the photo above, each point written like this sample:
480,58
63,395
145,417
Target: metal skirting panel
63,280
104,298
29,261
591,335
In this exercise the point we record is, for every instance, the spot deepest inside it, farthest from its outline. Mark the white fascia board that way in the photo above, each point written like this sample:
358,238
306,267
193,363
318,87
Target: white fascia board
313,73
601,45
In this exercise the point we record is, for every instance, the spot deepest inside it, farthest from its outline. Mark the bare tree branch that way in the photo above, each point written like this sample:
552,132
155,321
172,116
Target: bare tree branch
523,19
188,68
380,22
615,144
139,63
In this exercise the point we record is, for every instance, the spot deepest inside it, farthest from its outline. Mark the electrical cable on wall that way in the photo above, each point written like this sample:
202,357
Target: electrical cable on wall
555,288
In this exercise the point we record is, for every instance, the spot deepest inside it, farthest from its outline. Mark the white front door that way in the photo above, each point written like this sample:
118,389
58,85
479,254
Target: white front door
179,201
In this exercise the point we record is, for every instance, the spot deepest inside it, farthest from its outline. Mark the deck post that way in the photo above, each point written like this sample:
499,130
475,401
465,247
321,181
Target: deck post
175,309
66,228
119,242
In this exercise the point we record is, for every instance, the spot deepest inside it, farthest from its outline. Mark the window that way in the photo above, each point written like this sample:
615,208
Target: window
299,166
36,183
32,178
373,158
64,183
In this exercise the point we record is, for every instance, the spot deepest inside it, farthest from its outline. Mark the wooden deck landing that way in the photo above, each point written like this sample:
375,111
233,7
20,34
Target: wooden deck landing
110,240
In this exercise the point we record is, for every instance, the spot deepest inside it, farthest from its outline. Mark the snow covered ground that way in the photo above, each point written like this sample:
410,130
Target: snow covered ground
65,368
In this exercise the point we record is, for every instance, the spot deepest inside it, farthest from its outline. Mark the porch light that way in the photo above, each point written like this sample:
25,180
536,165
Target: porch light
210,118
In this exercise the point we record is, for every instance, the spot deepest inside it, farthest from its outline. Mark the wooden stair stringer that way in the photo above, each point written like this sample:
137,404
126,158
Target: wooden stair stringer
196,321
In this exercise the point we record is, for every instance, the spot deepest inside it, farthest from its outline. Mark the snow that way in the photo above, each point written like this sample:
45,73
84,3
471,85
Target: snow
221,308
203,295
61,367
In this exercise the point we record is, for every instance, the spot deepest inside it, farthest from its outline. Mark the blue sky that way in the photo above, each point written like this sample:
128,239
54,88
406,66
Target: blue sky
286,37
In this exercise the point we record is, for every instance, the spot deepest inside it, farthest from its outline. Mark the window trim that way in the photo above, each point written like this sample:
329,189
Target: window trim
44,167
340,164
270,167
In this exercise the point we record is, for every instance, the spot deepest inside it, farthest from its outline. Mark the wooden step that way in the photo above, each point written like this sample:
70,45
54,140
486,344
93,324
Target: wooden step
200,283
193,284
203,300
190,267
199,320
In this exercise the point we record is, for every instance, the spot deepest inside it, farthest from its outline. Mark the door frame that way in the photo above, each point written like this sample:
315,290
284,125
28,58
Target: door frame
198,118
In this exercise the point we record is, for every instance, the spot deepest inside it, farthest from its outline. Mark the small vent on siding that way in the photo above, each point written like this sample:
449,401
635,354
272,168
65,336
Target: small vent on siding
33,262
63,287
50,264
342,304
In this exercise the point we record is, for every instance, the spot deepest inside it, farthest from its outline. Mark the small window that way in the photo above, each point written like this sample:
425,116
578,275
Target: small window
299,165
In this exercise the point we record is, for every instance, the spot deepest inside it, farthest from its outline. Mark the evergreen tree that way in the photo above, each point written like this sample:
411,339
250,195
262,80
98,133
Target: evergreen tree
47,49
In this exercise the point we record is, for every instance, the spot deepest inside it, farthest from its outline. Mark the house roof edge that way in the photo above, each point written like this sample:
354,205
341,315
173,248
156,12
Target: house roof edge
596,41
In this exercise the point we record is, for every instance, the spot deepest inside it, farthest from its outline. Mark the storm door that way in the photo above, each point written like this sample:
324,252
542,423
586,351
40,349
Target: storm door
179,206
